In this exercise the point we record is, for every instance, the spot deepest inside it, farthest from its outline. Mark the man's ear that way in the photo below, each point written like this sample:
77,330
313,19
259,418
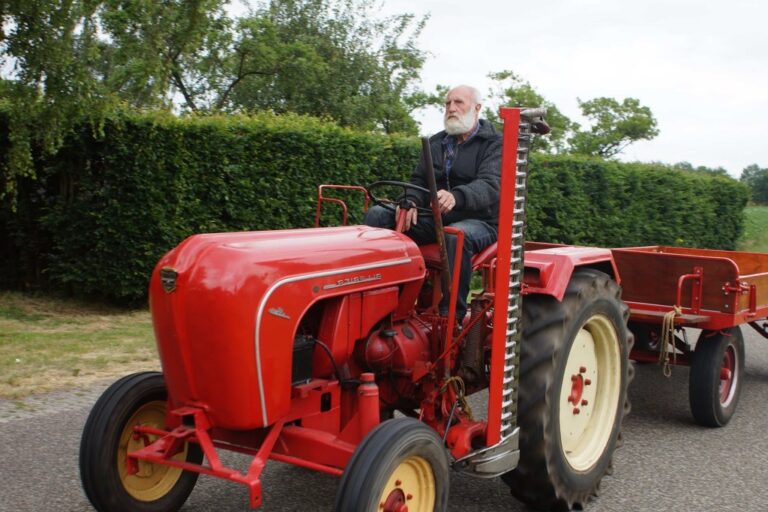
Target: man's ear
478,107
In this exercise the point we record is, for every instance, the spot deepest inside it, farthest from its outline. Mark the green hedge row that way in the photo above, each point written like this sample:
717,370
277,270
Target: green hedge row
589,201
106,207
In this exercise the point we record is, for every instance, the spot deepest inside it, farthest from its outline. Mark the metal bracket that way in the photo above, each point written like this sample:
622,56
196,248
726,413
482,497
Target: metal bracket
492,461
737,287
696,291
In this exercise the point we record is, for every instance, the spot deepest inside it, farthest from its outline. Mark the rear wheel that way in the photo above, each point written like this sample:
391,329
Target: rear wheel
108,436
573,392
401,465
716,376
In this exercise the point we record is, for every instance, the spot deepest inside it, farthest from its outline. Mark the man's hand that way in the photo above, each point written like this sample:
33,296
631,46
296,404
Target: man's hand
411,215
446,200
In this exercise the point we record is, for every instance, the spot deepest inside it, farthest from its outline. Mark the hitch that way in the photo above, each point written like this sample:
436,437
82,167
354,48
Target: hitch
761,328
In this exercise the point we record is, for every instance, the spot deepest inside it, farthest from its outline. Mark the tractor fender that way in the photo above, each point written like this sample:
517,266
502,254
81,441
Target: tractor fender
548,271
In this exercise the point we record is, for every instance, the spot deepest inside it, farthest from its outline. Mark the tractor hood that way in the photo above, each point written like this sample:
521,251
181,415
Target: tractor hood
228,306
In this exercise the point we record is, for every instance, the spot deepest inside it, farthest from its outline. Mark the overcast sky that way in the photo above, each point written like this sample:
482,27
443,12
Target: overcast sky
700,65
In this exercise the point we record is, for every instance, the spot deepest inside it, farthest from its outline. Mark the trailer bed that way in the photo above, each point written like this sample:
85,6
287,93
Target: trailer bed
713,289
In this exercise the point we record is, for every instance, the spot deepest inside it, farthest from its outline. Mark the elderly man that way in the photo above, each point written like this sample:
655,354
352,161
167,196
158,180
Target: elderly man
467,165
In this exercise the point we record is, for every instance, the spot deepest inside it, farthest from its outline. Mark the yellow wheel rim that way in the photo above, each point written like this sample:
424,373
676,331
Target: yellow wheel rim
590,393
152,481
410,487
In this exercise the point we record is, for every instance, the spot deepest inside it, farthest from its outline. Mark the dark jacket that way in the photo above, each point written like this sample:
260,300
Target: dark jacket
475,177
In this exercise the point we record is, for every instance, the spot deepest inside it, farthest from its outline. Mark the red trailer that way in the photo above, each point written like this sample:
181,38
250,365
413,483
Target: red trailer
669,289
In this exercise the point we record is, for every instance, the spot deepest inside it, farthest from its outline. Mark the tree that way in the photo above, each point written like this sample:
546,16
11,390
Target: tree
331,58
614,126
756,178
512,91
153,50
46,47
75,60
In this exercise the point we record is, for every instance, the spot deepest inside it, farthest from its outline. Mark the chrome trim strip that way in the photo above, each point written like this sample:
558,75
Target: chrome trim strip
293,279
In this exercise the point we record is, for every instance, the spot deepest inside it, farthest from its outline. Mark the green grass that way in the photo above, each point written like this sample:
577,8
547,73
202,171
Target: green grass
755,236
49,344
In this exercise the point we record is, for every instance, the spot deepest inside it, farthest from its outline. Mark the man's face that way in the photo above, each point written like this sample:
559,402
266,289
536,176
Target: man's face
461,111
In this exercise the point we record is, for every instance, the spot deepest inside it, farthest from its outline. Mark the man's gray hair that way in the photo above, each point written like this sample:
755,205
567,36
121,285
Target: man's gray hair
476,96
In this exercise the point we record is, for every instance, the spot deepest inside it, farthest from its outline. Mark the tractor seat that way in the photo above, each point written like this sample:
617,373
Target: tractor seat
431,253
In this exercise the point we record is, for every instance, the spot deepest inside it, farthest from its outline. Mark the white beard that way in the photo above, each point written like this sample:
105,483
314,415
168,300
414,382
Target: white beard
462,124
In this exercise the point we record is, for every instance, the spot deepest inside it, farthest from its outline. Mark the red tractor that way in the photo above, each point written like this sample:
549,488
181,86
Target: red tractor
324,348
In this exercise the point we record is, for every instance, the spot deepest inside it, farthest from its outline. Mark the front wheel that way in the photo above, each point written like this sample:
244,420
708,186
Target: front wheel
400,465
716,376
108,436
574,371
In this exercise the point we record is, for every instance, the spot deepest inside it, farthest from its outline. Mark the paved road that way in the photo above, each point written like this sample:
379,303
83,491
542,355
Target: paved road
666,463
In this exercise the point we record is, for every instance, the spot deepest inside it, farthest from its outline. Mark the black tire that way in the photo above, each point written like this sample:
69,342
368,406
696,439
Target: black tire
713,398
140,397
564,457
400,450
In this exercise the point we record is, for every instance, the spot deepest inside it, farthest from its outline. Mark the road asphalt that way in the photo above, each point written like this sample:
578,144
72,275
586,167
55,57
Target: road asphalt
667,462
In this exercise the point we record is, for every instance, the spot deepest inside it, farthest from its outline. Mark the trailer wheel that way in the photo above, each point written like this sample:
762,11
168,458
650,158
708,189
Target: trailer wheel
107,437
400,465
574,371
716,374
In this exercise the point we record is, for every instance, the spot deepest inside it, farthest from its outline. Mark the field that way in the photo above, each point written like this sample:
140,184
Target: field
755,237
46,343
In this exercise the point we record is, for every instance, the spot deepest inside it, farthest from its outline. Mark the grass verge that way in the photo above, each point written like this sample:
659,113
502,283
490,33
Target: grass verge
48,344
755,236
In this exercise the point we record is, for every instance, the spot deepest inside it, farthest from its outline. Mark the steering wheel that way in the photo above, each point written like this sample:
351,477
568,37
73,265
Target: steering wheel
404,202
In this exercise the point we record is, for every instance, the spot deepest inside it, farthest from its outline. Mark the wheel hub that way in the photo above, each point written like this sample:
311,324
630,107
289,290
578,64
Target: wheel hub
395,502
578,383
411,487
727,369
590,393
147,481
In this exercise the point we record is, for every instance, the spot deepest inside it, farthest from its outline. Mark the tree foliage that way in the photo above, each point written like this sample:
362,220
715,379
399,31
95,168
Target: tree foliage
756,179
614,125
687,166
326,58
76,59
153,50
512,91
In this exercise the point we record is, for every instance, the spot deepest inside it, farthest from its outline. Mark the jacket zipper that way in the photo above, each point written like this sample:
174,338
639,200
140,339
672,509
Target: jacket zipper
448,175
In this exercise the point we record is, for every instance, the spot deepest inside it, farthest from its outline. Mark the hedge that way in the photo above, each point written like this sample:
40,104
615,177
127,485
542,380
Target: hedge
588,201
106,206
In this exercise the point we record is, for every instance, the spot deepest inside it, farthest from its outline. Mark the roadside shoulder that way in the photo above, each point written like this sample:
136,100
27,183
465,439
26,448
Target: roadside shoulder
13,409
